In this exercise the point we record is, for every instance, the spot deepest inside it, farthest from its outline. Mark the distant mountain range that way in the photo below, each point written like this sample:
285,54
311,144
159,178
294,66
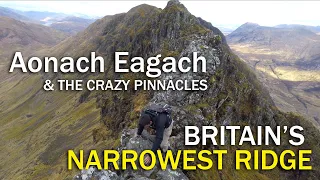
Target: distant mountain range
17,35
7,12
315,29
298,44
287,60
227,28
24,37
63,22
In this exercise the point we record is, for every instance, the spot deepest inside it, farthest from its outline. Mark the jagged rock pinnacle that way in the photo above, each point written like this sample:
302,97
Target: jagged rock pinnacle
173,2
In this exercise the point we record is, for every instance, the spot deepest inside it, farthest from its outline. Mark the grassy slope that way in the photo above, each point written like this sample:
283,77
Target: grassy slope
37,127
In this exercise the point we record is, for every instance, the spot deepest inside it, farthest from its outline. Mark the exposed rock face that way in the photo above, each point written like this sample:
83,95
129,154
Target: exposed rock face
234,95
129,141
92,173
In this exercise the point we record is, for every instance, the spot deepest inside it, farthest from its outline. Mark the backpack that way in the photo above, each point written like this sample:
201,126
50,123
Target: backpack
155,109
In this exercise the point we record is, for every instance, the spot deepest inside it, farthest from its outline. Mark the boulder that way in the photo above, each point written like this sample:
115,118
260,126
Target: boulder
138,143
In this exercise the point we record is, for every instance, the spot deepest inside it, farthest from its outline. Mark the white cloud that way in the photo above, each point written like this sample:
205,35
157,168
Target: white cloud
262,12
226,13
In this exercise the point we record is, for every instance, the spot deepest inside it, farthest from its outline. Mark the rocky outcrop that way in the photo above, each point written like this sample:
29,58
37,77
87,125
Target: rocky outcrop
234,95
130,141
93,173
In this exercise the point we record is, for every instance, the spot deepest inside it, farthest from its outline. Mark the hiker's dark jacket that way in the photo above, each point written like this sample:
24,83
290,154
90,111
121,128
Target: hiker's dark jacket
159,125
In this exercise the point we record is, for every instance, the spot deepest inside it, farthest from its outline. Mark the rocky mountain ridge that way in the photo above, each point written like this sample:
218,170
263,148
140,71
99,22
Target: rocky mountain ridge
234,96
95,120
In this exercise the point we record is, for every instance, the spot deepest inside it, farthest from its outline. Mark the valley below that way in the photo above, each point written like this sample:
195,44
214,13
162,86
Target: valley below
286,62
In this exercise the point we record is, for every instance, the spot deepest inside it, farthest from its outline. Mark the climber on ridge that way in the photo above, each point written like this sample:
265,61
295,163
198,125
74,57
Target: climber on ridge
158,117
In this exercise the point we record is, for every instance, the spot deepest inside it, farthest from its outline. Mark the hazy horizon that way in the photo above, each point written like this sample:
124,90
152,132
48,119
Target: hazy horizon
235,13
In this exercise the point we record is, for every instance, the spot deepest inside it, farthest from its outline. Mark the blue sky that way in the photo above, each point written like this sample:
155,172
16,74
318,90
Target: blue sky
219,13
